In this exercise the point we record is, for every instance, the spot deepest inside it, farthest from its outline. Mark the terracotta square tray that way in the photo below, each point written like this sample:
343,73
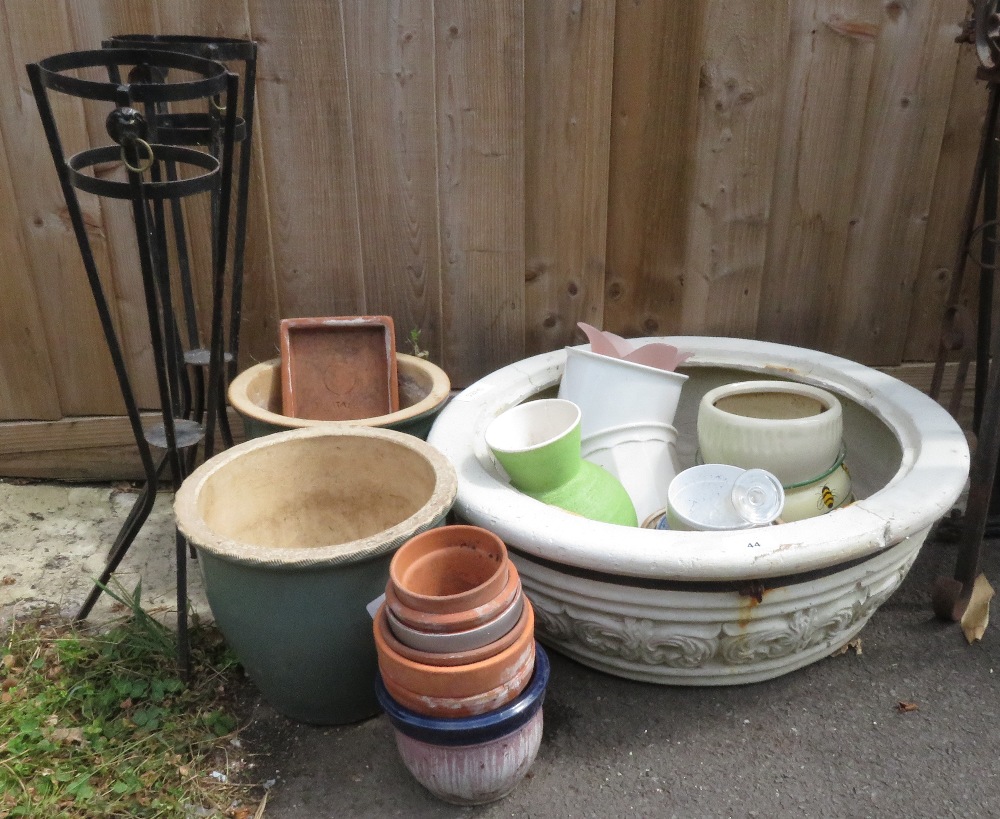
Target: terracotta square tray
339,368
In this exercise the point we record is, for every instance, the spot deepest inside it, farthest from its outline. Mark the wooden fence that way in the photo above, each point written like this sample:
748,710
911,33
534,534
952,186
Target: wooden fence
491,172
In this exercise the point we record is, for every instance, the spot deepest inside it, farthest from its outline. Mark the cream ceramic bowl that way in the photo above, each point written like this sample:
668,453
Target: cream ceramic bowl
792,430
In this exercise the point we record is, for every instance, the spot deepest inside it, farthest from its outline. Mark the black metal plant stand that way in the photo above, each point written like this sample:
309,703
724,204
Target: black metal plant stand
239,56
161,169
982,512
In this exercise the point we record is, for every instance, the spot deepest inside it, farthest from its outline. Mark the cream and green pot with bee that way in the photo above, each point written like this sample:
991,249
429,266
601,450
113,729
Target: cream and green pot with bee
717,608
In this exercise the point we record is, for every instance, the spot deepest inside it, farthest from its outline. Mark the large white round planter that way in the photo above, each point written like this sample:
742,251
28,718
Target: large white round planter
708,608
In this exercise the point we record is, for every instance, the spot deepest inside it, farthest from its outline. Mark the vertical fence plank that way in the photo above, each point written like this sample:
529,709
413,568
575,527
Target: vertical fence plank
652,174
390,63
567,133
740,99
952,181
480,93
81,366
91,23
309,161
903,125
27,387
819,137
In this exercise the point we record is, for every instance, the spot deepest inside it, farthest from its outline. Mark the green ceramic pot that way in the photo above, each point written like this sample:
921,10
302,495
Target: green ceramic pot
538,445
295,533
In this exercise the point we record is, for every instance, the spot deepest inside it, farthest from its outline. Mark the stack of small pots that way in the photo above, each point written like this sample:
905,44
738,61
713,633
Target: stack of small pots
461,677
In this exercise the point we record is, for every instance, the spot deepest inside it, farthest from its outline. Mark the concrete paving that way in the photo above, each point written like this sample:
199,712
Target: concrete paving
829,740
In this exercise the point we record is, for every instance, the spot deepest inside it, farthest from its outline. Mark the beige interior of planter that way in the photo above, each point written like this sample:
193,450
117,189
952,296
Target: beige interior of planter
314,492
770,405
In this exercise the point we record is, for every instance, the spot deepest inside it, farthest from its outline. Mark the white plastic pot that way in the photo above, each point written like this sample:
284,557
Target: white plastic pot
642,456
611,392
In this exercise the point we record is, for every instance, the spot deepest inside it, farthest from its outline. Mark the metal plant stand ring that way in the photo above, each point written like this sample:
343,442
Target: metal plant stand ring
137,126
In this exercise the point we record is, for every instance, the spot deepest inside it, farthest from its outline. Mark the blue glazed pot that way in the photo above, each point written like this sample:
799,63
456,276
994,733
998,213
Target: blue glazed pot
456,731
472,760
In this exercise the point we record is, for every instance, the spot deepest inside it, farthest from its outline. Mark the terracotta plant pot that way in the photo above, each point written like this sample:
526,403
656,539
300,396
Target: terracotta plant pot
460,620
423,390
294,534
480,703
456,681
477,759
454,657
450,569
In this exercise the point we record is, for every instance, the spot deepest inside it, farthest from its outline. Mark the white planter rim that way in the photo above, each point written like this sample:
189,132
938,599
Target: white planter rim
930,478
585,352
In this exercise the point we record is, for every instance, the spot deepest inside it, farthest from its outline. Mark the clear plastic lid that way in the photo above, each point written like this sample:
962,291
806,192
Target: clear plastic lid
758,497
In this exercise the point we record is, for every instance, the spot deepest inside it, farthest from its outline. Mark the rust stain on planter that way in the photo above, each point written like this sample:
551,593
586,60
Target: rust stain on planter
753,595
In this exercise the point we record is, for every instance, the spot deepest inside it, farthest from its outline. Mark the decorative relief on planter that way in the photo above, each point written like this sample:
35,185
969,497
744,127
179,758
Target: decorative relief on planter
636,640
659,643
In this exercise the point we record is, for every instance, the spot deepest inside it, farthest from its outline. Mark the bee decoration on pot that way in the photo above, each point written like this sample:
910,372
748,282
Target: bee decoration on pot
826,499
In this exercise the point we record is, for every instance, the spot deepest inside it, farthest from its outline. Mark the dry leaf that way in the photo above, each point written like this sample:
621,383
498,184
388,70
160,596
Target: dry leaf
977,613
852,645
905,707
69,735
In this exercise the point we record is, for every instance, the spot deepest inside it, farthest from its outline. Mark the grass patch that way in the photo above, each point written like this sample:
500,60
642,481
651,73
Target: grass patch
100,724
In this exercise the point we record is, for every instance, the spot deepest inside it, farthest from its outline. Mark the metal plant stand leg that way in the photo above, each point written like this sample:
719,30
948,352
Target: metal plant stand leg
136,124
950,595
